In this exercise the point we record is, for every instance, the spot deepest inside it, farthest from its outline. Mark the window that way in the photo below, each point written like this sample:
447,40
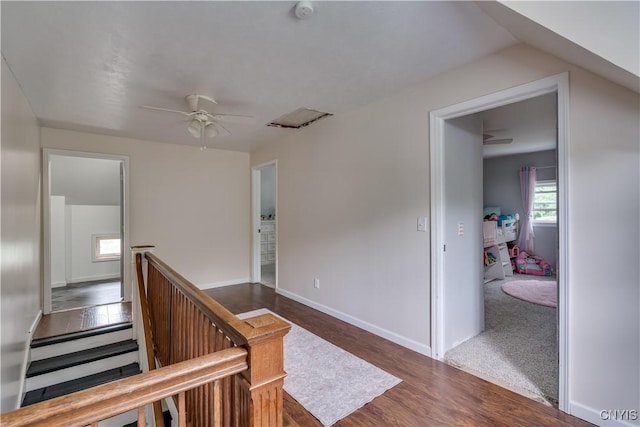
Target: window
545,203
106,247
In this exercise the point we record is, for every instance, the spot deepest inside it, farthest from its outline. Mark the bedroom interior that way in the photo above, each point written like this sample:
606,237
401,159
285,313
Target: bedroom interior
83,212
518,346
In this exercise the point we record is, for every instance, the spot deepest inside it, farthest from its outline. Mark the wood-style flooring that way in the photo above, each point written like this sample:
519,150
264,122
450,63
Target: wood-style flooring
85,294
431,393
82,319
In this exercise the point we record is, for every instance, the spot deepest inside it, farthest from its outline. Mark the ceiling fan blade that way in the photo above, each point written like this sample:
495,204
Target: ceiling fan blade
222,131
233,118
497,141
184,113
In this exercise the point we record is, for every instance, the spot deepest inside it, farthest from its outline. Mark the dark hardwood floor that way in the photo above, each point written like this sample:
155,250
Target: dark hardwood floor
431,393
82,319
85,294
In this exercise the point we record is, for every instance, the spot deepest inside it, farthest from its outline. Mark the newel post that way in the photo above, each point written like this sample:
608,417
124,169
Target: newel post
259,395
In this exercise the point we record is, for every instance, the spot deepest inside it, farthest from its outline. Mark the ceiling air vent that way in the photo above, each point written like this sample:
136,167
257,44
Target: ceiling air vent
298,119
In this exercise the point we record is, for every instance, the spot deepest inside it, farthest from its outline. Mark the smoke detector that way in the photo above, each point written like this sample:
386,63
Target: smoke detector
303,9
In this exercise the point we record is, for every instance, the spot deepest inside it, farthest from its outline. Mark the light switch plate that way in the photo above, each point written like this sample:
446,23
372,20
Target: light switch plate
422,223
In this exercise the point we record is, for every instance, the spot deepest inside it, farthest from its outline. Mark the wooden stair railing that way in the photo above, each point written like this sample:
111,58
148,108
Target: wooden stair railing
186,323
221,371
90,406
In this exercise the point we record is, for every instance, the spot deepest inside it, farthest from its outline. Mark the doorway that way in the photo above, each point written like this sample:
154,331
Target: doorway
264,207
444,242
84,225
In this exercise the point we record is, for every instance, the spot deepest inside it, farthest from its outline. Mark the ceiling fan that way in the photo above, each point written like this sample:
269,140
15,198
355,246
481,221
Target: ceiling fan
203,123
488,139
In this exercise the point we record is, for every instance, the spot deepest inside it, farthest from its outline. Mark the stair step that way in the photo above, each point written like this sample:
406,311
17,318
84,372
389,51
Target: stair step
39,367
78,335
68,387
83,343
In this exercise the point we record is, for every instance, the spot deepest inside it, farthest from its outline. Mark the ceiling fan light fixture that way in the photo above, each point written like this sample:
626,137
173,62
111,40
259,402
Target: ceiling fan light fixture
195,128
210,130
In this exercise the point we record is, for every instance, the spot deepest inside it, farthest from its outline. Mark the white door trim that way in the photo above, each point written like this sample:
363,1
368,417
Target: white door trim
560,84
46,218
256,274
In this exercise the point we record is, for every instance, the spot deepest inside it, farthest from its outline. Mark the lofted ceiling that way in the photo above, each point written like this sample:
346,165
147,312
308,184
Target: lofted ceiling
85,181
89,66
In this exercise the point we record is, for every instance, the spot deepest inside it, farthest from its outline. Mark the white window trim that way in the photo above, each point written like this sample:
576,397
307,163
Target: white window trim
542,222
95,240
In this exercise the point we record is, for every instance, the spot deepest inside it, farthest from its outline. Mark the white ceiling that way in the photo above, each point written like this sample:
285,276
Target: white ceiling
532,124
85,181
89,65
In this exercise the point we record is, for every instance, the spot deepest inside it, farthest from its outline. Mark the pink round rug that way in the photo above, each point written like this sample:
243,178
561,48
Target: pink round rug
536,291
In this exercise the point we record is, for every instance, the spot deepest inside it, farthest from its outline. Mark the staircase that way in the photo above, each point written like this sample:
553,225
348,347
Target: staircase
65,364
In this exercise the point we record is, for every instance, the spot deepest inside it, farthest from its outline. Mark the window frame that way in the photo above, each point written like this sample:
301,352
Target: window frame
96,256
545,222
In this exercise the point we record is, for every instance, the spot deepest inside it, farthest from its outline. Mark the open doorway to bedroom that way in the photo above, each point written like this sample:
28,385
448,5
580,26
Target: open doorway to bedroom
518,345
84,230
464,307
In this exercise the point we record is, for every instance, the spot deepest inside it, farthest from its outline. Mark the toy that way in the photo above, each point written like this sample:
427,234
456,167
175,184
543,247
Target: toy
531,264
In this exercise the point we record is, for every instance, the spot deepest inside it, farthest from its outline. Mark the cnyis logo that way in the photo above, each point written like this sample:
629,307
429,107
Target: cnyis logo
619,414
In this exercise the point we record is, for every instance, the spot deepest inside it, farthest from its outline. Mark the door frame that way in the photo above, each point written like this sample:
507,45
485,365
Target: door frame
256,268
46,219
559,84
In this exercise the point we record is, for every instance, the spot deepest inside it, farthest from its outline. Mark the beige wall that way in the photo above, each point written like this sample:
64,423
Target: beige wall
192,204
351,187
20,235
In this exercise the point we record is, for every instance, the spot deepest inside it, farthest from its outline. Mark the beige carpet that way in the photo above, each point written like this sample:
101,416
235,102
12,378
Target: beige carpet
518,348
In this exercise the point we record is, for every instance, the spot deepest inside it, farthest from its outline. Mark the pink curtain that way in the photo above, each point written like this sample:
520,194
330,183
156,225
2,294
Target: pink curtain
527,188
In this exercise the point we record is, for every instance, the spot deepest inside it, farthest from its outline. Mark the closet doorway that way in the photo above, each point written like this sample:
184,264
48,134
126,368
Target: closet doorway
264,223
447,331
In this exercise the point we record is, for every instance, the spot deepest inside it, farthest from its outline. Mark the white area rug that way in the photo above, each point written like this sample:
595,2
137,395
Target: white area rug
326,380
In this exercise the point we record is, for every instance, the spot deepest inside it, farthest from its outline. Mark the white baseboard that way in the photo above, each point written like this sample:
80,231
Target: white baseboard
391,336
59,284
113,276
224,283
604,418
26,357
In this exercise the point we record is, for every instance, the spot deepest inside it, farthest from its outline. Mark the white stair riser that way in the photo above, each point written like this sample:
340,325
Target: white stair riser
79,371
66,347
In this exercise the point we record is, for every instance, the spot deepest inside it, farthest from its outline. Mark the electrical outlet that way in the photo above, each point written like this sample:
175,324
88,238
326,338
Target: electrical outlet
316,283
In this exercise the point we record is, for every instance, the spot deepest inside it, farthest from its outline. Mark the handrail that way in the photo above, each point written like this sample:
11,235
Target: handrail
148,339
238,330
186,323
99,403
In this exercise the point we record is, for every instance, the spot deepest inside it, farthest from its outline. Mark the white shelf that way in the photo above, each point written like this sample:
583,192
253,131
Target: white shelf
502,267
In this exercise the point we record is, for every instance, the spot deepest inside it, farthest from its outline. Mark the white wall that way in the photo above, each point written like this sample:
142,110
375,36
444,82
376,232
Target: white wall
192,204
501,183
268,190
350,188
58,242
86,221
20,235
